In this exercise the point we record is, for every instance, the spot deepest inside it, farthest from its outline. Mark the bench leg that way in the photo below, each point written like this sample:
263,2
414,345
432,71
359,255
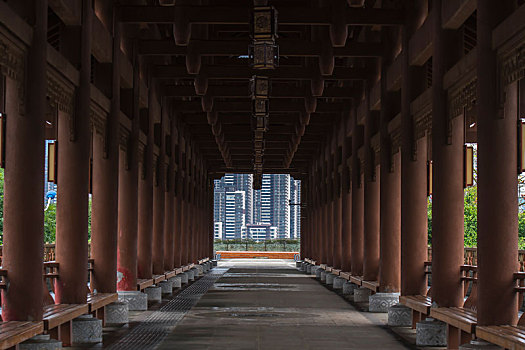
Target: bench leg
464,337
453,335
66,333
54,333
99,313
416,317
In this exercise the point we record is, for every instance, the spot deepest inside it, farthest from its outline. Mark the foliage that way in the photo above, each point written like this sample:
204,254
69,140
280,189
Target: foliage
50,223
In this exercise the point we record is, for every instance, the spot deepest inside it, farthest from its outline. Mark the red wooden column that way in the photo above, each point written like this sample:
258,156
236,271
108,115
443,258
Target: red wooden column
169,205
336,213
73,189
346,208
447,187
145,214
129,196
497,179
184,206
329,223
209,208
24,189
390,198
371,175
414,221
178,219
357,201
159,189
324,219
104,210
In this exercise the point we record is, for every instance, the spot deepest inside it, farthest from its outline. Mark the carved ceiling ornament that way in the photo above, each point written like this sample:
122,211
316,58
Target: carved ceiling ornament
12,65
61,94
511,67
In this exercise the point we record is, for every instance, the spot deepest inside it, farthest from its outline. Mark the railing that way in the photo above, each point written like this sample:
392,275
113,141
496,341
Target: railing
471,257
49,252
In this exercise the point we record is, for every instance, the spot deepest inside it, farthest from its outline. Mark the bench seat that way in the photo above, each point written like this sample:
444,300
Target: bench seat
336,272
345,275
58,320
15,332
356,280
97,301
372,285
158,278
178,270
461,324
170,274
419,303
144,283
508,337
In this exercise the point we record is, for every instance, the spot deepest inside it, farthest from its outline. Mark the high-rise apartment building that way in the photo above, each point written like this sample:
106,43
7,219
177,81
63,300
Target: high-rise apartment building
269,206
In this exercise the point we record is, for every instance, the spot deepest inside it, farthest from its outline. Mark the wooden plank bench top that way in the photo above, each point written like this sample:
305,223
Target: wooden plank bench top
170,274
15,332
185,268
323,266
356,280
99,300
336,272
372,285
345,275
178,270
328,269
158,278
144,283
419,303
508,337
57,314
461,318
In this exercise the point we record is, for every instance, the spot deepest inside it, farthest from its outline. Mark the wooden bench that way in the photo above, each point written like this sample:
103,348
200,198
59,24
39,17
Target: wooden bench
13,333
345,275
420,306
185,268
158,278
356,280
144,283
508,337
58,319
461,324
178,270
170,274
336,272
372,285
97,304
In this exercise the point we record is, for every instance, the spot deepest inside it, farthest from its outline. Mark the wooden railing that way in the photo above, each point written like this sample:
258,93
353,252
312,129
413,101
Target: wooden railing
471,257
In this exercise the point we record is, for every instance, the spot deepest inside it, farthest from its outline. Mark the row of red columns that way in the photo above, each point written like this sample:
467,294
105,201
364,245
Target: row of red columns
149,215
378,216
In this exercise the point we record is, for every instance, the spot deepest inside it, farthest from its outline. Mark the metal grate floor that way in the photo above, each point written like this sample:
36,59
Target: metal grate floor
150,332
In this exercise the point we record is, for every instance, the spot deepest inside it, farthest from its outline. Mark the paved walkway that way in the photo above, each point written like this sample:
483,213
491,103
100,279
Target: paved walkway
269,304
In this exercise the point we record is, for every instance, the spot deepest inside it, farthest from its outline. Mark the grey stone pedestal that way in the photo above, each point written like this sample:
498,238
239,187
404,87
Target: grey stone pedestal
399,316
206,266
166,287
176,282
40,342
214,262
330,278
200,270
323,275
361,294
191,274
298,264
348,288
137,301
302,267
154,293
117,313
314,269
479,344
381,302
431,332
338,282
309,269
184,277
87,330
318,273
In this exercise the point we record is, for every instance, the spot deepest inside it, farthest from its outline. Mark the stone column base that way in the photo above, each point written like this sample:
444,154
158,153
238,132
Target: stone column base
348,288
318,272
314,269
116,313
298,263
214,262
166,287
154,293
176,282
431,332
302,267
381,302
137,301
87,330
479,344
361,294
192,274
330,278
40,342
338,282
200,270
309,269
206,266
184,277
323,276
399,316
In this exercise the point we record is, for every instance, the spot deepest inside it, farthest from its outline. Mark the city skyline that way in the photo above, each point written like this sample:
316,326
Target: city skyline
241,212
